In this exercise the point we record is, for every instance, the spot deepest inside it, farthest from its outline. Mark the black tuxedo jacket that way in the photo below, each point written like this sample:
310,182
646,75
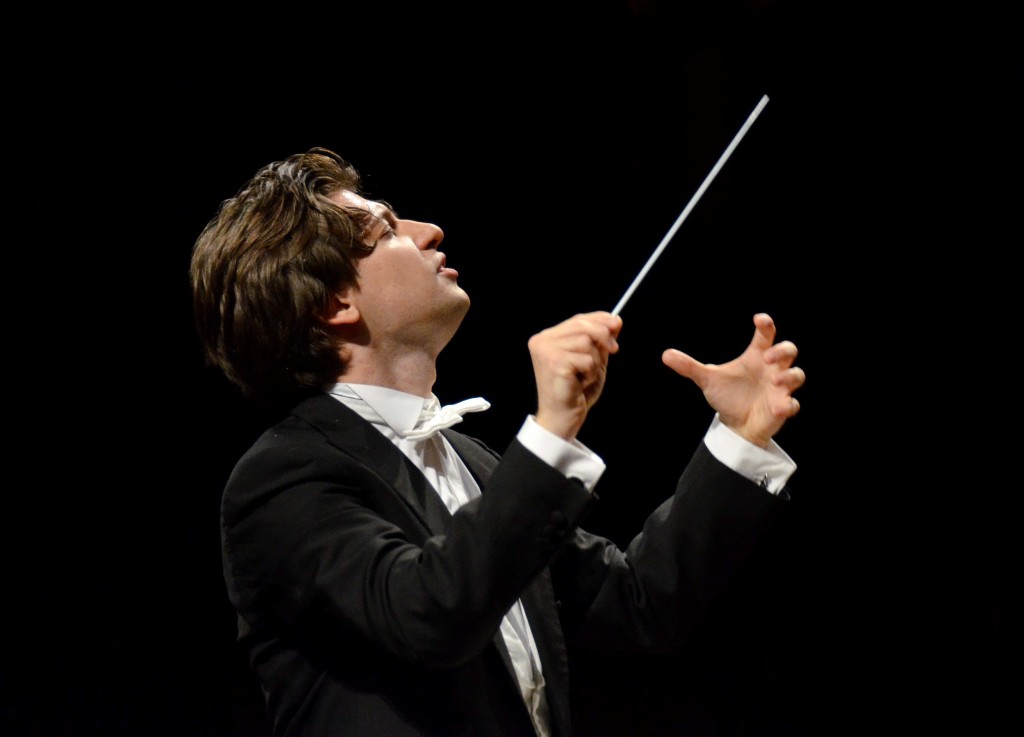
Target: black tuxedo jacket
366,608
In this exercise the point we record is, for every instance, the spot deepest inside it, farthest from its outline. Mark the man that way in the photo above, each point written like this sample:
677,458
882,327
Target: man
395,577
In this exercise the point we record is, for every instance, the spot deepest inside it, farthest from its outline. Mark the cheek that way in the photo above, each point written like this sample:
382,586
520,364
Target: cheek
390,274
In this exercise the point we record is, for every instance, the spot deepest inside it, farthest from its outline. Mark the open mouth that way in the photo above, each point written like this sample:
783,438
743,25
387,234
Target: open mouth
442,268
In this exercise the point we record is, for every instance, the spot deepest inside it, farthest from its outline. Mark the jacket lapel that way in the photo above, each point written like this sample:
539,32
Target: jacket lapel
479,459
357,438
360,440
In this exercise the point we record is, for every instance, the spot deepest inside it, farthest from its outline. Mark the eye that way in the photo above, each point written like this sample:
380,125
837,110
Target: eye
385,234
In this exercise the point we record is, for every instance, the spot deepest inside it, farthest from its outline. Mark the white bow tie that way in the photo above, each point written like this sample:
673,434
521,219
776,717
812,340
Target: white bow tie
433,417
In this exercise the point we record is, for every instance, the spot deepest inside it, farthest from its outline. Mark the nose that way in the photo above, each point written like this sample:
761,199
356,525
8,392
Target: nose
426,236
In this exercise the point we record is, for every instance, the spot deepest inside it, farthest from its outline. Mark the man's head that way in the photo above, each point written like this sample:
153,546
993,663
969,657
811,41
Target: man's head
274,270
407,301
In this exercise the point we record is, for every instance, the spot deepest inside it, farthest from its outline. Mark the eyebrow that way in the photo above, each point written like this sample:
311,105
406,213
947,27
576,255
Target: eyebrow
389,209
383,212
379,212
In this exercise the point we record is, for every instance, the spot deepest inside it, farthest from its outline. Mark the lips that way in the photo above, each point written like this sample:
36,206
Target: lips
442,269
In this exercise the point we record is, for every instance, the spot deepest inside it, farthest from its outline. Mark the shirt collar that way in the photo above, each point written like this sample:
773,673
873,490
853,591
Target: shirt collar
397,409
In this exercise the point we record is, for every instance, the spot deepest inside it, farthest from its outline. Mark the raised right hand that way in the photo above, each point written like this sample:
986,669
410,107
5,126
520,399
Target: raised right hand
570,363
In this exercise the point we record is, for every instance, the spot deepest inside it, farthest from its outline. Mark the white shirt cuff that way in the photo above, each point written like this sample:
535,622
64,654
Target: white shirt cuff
573,459
770,467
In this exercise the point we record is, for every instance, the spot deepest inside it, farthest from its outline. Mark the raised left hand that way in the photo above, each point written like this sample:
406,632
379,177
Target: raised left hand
753,393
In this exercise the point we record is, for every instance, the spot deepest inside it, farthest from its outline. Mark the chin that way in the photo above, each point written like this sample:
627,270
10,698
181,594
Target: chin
462,297
458,308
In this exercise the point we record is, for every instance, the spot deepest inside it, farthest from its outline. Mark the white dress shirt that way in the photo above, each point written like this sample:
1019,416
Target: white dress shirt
393,413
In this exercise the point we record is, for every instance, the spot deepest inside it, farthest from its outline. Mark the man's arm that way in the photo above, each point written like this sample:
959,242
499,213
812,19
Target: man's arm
652,594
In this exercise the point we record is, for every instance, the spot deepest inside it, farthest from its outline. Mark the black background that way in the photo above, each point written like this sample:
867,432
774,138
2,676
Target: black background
871,210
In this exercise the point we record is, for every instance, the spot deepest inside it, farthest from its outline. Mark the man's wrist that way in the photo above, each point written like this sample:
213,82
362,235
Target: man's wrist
770,466
570,457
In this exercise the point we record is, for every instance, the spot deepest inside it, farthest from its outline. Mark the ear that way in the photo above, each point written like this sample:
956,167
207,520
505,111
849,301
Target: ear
340,309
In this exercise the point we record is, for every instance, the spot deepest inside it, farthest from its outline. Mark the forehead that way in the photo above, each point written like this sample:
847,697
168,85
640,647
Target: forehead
348,198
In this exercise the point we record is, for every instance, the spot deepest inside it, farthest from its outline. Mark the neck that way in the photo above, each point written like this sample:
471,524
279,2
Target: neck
412,373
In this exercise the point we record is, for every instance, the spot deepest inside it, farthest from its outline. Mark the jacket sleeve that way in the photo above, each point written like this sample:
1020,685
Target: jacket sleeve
316,541
651,595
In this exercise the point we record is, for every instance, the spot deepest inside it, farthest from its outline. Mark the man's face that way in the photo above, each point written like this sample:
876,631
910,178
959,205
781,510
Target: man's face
405,291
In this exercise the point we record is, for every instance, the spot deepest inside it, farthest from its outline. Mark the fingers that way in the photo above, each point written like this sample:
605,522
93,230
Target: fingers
787,376
780,373
601,328
582,364
580,344
791,379
787,409
783,353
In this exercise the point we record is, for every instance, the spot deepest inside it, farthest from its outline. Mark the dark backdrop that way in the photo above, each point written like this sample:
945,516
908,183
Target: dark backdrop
870,210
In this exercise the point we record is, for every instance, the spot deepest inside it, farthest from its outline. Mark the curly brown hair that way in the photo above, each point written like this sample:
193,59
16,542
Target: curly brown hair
264,268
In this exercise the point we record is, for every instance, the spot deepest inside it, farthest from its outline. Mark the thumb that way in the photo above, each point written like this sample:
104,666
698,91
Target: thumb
684,365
